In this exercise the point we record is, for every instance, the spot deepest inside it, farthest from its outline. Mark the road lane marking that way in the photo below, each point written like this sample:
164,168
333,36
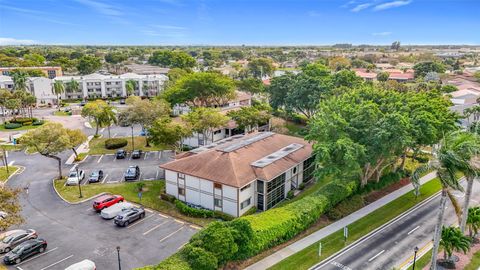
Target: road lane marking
406,264
105,178
413,230
341,266
41,254
178,221
100,159
163,216
195,227
181,246
11,163
55,263
140,221
145,156
114,135
170,235
378,254
160,154
156,175
152,229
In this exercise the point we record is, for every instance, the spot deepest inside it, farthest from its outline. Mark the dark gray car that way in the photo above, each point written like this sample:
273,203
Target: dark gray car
13,240
129,216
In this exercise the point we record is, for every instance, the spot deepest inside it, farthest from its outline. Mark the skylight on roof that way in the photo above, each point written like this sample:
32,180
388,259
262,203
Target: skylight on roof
245,142
277,155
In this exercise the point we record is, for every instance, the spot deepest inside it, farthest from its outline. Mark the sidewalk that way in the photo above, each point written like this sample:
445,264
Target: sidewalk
83,148
326,231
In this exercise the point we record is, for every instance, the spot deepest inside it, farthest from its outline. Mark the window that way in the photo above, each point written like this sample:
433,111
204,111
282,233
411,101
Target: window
217,132
245,203
217,202
295,170
308,169
181,191
260,186
217,185
181,176
245,187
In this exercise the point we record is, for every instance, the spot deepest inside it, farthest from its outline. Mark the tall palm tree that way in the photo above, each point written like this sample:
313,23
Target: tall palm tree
58,89
20,78
72,86
453,240
130,85
445,162
109,118
5,94
473,220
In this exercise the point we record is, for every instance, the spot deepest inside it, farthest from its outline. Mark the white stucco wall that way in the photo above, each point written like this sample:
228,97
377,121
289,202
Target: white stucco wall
244,195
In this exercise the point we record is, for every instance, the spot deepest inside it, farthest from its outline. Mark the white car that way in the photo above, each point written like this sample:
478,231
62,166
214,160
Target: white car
83,265
114,210
73,179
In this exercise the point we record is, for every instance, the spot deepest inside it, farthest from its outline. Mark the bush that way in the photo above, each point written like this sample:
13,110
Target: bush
167,197
290,194
301,186
250,211
9,125
27,123
115,143
193,212
22,120
346,207
200,258
384,181
38,122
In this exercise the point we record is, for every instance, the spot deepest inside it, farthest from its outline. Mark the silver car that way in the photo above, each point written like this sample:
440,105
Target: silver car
13,240
116,209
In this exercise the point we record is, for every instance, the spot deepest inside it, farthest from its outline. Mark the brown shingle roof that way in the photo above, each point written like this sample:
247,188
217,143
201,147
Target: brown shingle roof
234,168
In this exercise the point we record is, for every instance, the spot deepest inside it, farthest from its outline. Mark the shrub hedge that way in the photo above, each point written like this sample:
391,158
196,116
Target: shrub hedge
346,207
201,213
385,180
22,120
247,236
167,197
115,143
9,125
38,122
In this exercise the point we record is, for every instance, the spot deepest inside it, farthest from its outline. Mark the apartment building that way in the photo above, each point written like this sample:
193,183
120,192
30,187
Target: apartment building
40,87
110,86
240,172
50,72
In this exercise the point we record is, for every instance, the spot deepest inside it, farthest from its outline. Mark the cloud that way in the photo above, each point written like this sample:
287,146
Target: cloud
392,4
360,7
101,8
14,41
382,34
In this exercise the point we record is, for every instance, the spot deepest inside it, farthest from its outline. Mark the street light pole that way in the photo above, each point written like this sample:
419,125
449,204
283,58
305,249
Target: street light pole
118,255
133,144
79,185
414,257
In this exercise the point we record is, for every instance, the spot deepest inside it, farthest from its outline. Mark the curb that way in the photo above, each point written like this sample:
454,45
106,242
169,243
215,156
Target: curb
75,203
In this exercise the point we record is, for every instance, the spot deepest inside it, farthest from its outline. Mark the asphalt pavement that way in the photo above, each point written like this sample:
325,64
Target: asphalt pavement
394,244
76,232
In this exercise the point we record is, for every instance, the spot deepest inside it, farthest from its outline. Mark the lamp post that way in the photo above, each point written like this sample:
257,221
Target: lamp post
133,145
118,256
79,184
414,257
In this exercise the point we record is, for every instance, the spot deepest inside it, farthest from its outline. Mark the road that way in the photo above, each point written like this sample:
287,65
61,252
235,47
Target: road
394,244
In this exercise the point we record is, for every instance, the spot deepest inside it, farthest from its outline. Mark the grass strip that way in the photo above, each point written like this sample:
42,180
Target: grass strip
3,172
335,242
129,190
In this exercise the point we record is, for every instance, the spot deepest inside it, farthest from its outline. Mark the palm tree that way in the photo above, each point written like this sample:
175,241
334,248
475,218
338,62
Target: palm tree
72,86
453,240
20,80
473,220
445,162
130,85
5,94
58,89
109,118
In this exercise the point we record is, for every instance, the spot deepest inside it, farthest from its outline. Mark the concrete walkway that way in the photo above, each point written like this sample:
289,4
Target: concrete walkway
326,231
82,148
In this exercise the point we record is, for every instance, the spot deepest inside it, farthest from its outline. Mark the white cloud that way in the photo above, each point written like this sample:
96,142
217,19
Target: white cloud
392,4
14,41
382,34
101,8
360,7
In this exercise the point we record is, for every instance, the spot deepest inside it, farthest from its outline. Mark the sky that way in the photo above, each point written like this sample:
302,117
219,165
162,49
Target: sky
239,22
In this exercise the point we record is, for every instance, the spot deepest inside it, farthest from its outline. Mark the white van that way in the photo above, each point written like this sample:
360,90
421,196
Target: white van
83,265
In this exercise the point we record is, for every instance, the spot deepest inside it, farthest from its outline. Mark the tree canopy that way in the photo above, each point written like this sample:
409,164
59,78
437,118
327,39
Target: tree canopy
205,120
172,59
259,67
88,64
421,69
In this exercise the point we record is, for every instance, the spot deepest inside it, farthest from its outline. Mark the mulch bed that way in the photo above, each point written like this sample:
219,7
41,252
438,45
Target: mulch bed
376,195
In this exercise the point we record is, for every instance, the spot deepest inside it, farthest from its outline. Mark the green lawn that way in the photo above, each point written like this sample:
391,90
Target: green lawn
11,147
474,263
334,242
97,146
129,190
3,172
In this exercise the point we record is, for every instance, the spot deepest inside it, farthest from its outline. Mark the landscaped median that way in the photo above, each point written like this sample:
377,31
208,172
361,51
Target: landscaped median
97,145
335,242
4,175
129,190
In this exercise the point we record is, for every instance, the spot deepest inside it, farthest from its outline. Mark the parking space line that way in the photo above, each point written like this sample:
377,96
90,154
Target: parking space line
178,221
148,210
195,227
149,231
170,235
145,156
55,263
140,176
163,216
98,161
41,254
159,154
105,178
181,246
156,175
140,221
11,163
114,135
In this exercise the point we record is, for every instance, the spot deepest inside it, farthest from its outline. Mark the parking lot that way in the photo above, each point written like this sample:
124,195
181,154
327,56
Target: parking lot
146,241
114,168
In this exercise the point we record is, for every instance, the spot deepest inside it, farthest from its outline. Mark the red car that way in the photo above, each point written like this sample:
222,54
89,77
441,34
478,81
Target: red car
106,201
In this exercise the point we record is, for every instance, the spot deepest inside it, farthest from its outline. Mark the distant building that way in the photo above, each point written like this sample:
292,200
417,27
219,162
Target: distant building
146,69
396,75
110,86
40,87
50,72
241,172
